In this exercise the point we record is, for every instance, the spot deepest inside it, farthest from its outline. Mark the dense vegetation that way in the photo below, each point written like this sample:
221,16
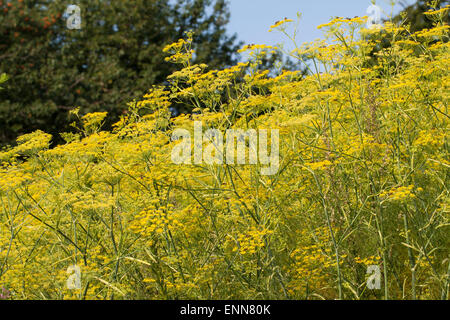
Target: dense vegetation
115,56
363,180
415,14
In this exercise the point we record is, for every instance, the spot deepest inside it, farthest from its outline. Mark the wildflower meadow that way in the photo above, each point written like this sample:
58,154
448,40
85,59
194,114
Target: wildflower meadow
355,204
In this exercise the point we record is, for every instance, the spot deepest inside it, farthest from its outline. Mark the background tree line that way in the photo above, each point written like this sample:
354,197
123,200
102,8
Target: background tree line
115,57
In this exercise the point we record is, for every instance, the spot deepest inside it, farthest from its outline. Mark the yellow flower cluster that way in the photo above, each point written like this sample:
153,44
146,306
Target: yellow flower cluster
338,21
433,12
155,221
400,193
313,262
180,51
279,24
356,128
430,139
369,261
322,165
251,241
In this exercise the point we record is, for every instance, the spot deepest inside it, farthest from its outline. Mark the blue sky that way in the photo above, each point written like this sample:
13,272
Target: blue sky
251,19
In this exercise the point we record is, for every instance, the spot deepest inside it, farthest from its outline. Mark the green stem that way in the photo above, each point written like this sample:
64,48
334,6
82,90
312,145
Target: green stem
411,257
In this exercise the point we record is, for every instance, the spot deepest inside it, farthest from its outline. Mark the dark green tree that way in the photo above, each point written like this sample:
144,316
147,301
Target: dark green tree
114,58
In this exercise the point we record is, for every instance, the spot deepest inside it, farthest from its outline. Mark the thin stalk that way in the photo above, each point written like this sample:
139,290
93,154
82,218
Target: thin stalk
411,257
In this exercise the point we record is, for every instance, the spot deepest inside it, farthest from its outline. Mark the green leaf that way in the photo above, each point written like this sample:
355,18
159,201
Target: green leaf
3,78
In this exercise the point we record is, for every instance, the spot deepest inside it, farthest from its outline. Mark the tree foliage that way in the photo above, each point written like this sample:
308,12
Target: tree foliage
115,56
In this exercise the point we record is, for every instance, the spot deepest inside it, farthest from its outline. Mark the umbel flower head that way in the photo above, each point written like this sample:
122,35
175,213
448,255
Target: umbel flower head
361,181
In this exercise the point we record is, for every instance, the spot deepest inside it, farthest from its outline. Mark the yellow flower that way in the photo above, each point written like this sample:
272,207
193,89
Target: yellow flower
279,23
